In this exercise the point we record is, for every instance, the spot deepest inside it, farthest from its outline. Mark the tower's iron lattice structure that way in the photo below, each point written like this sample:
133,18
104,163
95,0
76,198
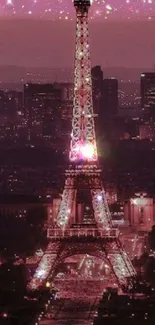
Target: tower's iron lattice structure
83,186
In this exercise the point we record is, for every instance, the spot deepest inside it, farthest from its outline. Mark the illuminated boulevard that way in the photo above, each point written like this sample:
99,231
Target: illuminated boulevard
76,302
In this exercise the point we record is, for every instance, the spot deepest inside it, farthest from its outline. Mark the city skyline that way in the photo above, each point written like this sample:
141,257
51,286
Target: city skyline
77,235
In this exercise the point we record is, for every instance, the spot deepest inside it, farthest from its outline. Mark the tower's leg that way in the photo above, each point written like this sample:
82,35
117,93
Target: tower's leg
117,257
46,264
66,205
101,209
120,262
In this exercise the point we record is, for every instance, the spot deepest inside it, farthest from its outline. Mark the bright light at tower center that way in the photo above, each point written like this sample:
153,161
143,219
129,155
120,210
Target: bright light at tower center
84,152
87,151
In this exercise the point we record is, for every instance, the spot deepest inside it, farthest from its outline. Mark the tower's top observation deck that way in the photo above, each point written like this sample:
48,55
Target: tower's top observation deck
82,5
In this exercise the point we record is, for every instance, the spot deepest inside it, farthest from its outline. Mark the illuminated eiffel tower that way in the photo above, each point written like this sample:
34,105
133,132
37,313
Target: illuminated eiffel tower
93,234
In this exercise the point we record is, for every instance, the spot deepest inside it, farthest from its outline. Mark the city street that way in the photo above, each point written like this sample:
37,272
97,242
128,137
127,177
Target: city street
76,303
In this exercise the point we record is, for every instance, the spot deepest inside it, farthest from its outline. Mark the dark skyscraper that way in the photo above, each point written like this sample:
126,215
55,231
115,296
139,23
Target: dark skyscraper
97,88
66,113
148,94
97,95
110,97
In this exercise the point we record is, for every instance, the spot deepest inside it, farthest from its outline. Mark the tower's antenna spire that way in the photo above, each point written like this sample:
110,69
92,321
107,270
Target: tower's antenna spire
83,142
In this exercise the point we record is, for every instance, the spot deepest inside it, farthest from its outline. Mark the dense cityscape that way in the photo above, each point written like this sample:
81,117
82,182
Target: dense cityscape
77,195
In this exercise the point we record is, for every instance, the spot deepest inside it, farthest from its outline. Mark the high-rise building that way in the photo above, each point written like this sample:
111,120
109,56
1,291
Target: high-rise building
11,102
148,94
42,104
110,98
66,113
11,107
97,88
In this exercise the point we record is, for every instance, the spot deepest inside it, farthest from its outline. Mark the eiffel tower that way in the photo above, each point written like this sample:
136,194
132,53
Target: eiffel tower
84,224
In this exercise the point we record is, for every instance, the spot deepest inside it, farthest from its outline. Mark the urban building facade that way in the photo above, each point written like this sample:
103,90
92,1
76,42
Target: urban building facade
147,88
97,88
110,98
42,105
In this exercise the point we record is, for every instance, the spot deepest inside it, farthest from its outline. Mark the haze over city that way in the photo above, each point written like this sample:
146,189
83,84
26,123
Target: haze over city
51,44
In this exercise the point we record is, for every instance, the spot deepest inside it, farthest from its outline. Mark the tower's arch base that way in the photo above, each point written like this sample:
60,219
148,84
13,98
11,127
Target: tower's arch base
58,251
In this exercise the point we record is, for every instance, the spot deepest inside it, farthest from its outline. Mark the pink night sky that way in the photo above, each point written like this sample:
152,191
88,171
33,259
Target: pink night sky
121,33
